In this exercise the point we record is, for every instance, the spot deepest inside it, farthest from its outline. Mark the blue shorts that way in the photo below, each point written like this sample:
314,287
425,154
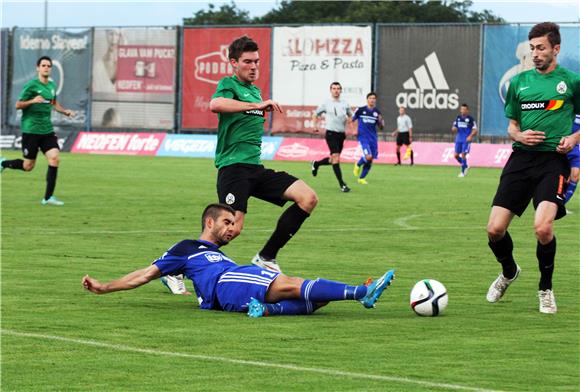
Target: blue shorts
235,287
462,147
369,147
574,156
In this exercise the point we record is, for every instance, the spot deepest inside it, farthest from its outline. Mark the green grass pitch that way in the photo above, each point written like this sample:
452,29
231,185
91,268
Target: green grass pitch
123,212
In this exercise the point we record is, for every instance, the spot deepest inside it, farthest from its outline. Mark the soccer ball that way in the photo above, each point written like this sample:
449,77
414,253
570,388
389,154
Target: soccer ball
429,298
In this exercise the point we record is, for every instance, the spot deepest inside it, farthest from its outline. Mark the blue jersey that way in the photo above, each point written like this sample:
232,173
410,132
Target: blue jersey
200,261
464,127
368,120
574,155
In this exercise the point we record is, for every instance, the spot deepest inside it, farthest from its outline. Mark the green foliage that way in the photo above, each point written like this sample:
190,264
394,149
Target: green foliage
349,12
123,212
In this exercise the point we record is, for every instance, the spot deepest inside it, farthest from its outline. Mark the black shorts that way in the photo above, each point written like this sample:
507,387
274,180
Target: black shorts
335,141
533,175
32,142
236,183
403,138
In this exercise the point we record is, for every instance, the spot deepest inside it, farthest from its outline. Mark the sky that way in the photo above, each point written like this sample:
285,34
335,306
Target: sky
81,13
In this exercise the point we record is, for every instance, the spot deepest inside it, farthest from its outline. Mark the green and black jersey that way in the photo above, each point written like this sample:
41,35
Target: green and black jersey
239,134
36,117
544,102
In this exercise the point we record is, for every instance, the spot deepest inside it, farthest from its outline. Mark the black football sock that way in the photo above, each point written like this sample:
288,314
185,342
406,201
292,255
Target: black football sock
288,224
51,173
503,251
412,156
399,157
546,255
322,162
338,173
17,164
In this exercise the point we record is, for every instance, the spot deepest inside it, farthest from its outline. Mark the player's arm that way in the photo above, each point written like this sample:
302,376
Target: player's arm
229,105
473,132
528,137
381,122
567,143
24,104
127,282
59,108
316,115
454,128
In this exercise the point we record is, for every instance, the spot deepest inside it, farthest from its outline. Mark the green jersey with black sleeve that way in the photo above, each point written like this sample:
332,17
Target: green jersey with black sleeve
36,117
239,134
544,102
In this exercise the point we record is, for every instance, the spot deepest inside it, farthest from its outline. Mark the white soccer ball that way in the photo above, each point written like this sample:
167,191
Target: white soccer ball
429,298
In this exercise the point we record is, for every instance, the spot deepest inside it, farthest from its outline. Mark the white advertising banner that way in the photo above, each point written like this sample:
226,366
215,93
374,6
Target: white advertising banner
307,59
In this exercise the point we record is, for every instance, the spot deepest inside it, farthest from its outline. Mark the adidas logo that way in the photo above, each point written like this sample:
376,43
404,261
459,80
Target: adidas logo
427,82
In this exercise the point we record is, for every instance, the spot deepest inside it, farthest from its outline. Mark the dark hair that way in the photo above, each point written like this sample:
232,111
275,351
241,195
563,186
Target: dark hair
371,94
549,29
335,84
241,45
465,105
43,58
213,211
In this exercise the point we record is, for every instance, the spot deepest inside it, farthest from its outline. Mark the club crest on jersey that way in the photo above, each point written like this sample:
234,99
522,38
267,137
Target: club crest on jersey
213,258
561,88
230,199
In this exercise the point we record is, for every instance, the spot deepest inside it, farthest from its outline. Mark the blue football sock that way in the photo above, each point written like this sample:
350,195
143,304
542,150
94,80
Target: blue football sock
321,290
570,191
460,160
291,306
361,161
464,165
366,169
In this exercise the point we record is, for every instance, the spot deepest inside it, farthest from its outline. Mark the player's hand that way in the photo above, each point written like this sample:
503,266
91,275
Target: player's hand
93,285
469,139
531,137
38,99
270,106
68,113
566,145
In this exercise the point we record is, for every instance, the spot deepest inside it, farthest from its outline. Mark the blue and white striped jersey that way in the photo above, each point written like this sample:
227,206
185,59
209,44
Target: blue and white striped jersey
200,261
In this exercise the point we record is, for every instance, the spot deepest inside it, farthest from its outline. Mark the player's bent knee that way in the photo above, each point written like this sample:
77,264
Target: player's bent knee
495,232
28,166
544,232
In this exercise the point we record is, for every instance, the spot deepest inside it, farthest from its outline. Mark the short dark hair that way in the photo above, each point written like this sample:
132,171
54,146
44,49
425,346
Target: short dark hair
241,45
371,94
549,29
335,84
213,211
43,58
465,105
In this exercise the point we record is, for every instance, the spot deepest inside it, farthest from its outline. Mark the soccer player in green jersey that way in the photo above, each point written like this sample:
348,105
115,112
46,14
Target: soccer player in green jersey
241,174
540,106
37,99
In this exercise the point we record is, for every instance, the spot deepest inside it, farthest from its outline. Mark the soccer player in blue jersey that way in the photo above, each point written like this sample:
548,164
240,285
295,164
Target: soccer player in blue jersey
574,159
466,128
369,118
221,284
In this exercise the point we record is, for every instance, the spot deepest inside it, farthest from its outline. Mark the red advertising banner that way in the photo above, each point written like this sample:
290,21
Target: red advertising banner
482,155
205,62
118,143
145,69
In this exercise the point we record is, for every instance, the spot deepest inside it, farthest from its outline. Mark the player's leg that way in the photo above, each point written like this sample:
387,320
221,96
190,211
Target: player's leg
315,165
305,200
358,164
53,158
574,159
30,145
336,144
233,188
366,168
464,165
398,148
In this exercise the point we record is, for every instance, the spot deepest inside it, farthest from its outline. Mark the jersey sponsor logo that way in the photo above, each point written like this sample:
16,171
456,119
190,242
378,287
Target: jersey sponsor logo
553,104
213,257
561,87
255,112
428,82
524,88
230,199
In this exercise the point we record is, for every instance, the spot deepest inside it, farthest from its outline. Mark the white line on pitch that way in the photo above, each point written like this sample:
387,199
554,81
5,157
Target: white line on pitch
327,372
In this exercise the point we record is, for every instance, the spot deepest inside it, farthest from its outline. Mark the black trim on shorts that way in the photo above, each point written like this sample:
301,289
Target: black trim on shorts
533,175
237,182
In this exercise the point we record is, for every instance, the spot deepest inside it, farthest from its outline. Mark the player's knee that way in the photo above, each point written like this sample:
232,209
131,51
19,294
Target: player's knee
369,158
544,231
28,166
309,201
495,232
54,161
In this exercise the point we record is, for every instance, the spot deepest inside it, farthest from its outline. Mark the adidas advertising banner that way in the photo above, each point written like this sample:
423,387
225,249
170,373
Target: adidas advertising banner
71,55
134,78
507,53
205,62
431,70
307,59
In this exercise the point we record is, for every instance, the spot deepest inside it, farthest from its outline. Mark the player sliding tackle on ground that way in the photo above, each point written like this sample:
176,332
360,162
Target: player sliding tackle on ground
221,284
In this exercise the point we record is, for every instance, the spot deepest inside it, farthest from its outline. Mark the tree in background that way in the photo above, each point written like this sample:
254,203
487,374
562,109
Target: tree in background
417,11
